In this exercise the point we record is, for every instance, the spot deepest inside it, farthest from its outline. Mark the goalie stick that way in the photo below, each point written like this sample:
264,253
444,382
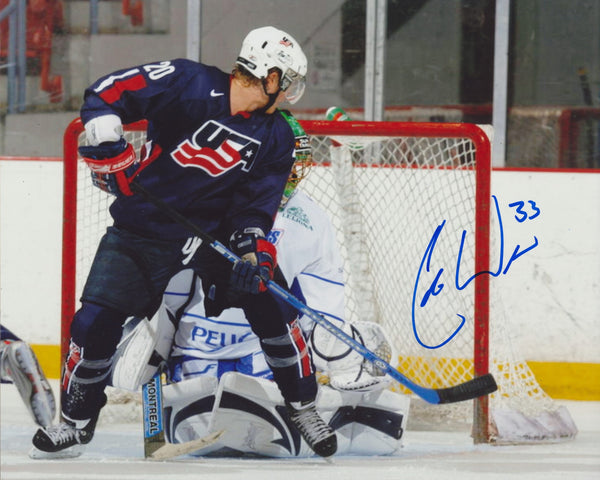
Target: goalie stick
477,387
155,446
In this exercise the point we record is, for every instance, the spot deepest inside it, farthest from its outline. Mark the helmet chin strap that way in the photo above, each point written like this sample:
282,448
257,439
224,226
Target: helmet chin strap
272,96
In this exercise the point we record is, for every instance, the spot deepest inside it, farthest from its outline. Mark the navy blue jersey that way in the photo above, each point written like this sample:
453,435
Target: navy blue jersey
223,172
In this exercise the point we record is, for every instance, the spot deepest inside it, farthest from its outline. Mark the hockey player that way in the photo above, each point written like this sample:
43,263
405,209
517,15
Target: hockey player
208,355
310,262
219,152
19,365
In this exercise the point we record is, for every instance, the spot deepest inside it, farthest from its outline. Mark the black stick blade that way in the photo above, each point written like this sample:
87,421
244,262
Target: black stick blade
477,387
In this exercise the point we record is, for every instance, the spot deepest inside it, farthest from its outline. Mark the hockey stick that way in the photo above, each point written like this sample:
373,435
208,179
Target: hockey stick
471,389
155,446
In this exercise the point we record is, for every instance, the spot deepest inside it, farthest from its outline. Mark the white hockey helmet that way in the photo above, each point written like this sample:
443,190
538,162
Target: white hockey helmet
268,47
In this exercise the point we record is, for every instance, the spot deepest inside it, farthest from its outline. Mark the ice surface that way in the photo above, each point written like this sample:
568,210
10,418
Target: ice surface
116,453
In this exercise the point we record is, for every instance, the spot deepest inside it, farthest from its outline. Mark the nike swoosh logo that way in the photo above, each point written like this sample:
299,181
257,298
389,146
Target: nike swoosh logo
215,94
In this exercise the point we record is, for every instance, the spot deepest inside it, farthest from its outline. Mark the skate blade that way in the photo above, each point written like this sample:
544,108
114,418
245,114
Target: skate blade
71,452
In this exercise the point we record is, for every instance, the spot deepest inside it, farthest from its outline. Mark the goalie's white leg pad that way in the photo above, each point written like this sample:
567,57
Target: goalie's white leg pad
253,415
187,408
130,365
371,423
380,419
146,344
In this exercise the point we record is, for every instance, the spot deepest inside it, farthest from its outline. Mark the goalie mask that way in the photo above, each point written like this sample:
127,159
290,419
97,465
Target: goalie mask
302,155
299,171
266,48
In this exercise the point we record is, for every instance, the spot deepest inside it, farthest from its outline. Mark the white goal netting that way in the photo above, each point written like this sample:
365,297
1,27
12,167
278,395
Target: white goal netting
407,206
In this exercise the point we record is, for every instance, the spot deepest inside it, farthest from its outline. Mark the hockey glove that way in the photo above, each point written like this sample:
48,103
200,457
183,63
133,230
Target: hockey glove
113,165
257,264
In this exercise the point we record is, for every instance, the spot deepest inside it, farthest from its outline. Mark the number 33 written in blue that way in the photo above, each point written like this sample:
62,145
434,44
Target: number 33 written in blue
522,214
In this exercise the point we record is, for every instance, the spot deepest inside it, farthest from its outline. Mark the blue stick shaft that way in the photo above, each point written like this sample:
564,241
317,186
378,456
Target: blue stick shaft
468,390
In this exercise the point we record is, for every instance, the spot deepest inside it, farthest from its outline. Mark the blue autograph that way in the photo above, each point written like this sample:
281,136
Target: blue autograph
436,286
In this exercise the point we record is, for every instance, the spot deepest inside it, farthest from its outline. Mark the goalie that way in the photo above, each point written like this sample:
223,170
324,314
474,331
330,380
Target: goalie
220,379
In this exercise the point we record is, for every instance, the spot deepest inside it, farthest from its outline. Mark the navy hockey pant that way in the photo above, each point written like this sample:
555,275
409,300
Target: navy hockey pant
127,278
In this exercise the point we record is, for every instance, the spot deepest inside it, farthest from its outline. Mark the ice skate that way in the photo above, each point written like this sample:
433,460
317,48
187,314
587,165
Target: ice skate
64,440
318,435
20,365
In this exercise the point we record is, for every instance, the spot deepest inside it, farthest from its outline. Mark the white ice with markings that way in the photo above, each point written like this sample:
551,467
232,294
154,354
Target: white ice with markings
116,453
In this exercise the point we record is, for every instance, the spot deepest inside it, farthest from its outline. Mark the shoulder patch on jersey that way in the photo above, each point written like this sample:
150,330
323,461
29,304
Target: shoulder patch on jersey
296,214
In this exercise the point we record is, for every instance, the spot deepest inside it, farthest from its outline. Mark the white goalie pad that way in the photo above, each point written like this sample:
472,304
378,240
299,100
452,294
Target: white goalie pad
187,408
253,415
130,364
145,345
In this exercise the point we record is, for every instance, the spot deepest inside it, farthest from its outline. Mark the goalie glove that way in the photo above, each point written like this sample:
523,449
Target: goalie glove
113,165
345,368
361,382
257,263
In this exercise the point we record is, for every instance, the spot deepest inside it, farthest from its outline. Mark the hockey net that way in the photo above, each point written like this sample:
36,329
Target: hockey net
400,195
536,136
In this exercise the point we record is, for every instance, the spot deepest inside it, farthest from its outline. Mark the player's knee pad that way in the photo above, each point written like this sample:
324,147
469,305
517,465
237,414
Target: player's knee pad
83,382
97,329
95,332
288,350
290,360
268,315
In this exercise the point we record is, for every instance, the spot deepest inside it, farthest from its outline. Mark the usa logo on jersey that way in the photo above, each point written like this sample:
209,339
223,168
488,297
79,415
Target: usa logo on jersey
216,149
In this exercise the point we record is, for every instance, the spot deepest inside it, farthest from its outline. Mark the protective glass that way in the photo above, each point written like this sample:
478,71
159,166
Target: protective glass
293,85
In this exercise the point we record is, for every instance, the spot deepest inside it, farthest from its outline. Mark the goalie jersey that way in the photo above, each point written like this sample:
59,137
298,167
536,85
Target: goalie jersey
223,172
309,259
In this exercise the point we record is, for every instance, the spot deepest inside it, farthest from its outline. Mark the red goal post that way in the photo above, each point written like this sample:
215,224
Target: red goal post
387,187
